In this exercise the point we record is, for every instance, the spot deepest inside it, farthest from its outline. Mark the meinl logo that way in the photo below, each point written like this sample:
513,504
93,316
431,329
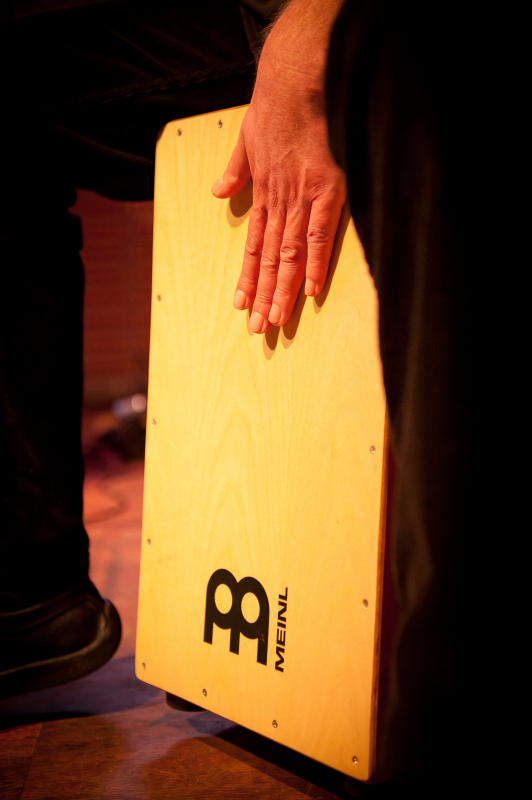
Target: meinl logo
235,621
280,640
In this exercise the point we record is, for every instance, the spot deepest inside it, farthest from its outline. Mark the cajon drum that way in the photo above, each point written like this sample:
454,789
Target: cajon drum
262,544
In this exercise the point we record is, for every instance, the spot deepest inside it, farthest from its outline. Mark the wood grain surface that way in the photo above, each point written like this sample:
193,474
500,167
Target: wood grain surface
265,457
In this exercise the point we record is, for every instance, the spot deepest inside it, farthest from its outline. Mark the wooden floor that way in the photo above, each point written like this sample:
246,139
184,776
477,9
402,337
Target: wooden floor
111,736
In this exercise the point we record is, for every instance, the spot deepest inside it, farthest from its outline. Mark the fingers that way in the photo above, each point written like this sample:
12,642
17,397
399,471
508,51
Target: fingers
246,287
274,265
322,227
238,173
305,251
269,268
282,248
291,269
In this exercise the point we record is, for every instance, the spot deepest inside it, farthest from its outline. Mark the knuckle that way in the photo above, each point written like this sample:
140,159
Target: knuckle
253,247
247,282
317,234
269,263
282,293
290,253
271,197
262,299
260,212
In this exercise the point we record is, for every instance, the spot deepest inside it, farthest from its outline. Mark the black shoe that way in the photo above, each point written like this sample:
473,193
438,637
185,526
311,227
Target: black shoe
56,641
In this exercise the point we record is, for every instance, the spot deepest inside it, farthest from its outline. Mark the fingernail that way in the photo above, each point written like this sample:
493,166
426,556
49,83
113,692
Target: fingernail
256,322
217,185
311,288
275,314
240,300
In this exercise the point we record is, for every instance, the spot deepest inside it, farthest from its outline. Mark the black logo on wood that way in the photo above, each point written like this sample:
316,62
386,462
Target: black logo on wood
281,631
234,619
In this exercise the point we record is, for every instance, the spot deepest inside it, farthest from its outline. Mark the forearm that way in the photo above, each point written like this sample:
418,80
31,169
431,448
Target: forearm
296,47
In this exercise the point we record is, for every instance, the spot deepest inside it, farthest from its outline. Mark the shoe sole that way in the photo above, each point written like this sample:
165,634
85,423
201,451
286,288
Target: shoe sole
69,667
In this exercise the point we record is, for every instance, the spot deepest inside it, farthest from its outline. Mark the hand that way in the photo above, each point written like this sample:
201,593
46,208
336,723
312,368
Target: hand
298,191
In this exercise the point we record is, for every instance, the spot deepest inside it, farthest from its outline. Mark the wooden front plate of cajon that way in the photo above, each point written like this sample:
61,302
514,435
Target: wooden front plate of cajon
262,542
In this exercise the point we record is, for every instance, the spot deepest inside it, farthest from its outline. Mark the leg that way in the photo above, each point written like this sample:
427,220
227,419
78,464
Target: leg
41,392
91,88
415,130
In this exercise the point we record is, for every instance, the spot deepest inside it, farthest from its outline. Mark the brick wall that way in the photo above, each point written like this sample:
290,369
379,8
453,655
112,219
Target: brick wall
117,246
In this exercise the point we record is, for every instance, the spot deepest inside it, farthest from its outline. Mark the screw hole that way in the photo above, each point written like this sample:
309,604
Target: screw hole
372,450
179,131
220,123
365,603
274,723
143,665
204,693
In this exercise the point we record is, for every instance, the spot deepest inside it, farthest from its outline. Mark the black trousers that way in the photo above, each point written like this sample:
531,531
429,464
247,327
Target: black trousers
87,91
423,107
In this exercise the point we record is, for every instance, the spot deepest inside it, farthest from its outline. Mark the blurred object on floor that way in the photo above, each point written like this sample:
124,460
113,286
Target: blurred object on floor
115,437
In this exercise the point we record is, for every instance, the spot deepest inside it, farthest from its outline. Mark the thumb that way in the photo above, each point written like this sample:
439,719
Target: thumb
237,175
